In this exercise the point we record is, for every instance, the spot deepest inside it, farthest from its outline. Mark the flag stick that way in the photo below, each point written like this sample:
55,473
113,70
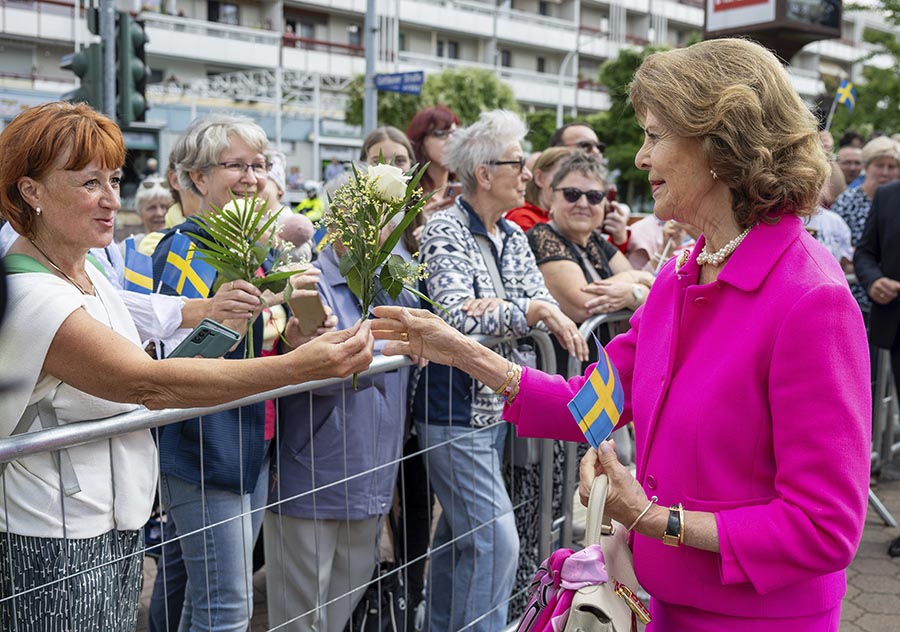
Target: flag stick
831,113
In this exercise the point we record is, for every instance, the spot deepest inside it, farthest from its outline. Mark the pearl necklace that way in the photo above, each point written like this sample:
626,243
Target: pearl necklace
716,258
93,292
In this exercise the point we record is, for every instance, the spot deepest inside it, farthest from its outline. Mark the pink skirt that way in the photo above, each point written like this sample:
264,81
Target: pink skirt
673,618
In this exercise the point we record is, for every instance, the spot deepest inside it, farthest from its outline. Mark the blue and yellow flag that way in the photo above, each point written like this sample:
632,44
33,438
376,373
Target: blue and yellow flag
138,269
598,404
186,272
846,94
318,239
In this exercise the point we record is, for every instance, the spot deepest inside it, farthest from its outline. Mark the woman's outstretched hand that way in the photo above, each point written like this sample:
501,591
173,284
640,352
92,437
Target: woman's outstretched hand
419,333
336,353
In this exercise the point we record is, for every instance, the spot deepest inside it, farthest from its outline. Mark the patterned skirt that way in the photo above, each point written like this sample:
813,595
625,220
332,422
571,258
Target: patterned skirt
64,585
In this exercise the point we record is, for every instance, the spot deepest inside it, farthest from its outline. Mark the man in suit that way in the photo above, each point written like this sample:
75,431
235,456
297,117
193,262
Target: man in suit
877,265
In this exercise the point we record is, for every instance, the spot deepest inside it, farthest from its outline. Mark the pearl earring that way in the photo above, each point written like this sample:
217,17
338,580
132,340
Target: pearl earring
37,210
715,176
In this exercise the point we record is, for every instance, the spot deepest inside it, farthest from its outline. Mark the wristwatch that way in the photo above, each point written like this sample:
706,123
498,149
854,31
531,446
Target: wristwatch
638,291
674,534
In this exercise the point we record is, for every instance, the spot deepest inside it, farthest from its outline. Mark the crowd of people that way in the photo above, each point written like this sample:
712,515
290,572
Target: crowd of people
745,368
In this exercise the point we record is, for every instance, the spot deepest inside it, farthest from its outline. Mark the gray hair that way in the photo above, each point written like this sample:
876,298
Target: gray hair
152,189
580,162
480,143
206,138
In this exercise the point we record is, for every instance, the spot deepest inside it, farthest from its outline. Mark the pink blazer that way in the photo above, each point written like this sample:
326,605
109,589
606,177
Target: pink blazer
750,399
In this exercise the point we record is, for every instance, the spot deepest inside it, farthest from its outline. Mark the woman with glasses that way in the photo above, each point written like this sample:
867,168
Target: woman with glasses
429,131
214,471
583,271
484,275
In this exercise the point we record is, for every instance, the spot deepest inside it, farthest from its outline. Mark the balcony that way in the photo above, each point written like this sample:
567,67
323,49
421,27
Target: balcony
221,44
39,20
688,12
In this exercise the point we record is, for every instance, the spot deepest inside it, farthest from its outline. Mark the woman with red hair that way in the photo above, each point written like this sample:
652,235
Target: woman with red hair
428,132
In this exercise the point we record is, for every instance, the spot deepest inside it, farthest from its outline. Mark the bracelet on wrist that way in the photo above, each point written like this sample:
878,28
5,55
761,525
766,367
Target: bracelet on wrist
643,513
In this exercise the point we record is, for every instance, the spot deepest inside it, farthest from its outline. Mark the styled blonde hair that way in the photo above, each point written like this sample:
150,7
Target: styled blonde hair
737,99
881,147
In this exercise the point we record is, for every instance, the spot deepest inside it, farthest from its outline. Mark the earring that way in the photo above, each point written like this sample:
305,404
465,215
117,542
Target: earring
37,211
715,176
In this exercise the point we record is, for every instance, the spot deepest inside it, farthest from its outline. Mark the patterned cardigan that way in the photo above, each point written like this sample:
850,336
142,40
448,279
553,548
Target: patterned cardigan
457,272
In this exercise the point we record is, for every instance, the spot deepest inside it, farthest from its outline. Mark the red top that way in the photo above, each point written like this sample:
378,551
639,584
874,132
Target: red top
527,216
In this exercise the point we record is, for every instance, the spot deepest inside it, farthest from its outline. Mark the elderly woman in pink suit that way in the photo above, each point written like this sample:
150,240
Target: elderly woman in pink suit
746,372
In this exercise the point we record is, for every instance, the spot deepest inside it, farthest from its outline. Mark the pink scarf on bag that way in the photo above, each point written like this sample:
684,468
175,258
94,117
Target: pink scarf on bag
555,583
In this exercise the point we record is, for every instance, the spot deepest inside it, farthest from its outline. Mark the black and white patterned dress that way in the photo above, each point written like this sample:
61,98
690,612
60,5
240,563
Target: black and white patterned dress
853,206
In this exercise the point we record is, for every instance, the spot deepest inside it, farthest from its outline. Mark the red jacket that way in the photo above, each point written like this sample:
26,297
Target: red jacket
527,216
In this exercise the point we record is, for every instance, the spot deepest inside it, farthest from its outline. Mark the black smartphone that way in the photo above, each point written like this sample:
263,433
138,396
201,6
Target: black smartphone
208,340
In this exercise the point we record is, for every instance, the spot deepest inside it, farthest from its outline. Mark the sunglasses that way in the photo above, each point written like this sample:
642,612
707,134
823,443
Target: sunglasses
589,145
520,163
572,195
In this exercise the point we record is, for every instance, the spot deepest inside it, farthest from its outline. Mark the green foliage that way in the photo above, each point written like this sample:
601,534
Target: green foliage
619,128
878,96
466,91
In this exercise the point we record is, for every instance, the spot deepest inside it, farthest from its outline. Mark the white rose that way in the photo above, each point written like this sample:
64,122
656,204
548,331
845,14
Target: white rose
389,181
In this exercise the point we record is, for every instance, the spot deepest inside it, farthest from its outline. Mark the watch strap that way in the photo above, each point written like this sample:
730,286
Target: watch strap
674,526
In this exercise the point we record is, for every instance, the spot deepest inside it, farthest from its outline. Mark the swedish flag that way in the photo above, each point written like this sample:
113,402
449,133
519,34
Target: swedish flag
186,272
846,94
318,238
598,404
138,269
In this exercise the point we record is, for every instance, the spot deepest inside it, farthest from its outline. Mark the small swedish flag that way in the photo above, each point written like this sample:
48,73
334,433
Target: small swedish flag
846,94
138,269
598,404
186,272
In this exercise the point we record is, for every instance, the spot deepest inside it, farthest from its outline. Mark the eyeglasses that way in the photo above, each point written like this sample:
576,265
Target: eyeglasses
149,183
398,161
442,133
520,163
589,145
572,195
260,169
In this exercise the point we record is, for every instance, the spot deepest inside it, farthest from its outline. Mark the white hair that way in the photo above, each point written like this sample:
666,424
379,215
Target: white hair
481,142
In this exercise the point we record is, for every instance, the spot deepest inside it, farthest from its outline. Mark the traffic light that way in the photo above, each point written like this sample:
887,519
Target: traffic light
132,71
87,64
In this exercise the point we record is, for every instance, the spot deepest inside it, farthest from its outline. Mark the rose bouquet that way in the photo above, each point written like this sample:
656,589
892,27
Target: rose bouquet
367,218
243,244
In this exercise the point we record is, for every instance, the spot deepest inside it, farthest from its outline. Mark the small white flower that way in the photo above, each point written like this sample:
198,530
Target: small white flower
389,181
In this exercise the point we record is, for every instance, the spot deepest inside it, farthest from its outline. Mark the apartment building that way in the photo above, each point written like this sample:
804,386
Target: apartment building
288,62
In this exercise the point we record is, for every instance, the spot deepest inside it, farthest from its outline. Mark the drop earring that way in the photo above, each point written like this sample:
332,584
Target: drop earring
715,176
37,211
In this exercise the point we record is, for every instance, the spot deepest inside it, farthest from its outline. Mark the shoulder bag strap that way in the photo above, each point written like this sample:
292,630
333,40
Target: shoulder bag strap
488,255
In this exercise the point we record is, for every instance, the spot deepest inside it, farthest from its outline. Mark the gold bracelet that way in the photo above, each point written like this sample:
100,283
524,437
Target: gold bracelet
513,390
510,372
643,513
681,518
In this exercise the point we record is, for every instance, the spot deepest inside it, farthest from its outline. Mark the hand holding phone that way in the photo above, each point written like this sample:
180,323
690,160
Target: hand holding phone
209,339
307,309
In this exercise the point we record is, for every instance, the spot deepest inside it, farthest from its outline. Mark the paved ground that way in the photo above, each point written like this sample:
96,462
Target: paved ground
872,603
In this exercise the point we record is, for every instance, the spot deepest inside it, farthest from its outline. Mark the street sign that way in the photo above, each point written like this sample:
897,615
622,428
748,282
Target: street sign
405,82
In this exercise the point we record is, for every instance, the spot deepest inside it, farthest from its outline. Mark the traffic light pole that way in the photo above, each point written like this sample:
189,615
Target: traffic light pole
108,37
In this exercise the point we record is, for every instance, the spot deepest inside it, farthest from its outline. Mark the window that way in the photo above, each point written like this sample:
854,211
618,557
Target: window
223,12
306,30
402,43
544,7
354,35
541,64
506,58
451,47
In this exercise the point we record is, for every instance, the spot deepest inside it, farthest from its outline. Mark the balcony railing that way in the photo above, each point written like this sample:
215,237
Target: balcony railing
290,40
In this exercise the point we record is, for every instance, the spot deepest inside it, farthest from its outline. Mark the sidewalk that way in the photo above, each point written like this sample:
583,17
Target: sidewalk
872,603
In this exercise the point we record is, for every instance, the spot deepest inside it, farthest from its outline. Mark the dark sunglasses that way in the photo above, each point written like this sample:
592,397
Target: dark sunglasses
572,195
520,163
588,145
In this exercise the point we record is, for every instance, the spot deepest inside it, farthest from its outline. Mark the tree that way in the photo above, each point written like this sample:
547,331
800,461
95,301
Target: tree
878,97
618,127
466,91
394,108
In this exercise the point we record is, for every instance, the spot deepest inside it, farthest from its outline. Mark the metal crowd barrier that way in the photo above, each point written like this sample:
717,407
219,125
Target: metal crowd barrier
884,420
67,436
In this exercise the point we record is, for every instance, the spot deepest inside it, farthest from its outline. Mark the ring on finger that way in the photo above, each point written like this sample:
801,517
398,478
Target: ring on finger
404,336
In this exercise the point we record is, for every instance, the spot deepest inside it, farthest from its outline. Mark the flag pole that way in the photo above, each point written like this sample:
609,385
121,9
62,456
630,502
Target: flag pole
831,112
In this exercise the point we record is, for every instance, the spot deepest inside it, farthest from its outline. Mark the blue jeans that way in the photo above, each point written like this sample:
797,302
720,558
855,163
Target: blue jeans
475,550
219,560
167,599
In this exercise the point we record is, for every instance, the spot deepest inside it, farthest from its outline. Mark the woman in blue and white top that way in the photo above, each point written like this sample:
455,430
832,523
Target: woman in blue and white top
467,246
